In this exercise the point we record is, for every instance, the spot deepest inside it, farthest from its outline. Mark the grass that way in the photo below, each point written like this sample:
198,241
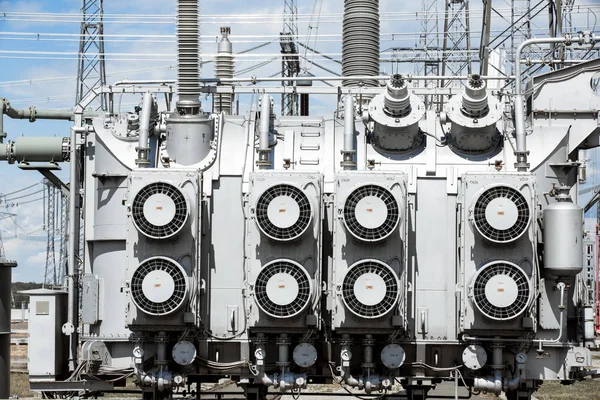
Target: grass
588,389
19,384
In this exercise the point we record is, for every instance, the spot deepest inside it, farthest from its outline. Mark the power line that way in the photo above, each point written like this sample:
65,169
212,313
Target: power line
20,197
20,190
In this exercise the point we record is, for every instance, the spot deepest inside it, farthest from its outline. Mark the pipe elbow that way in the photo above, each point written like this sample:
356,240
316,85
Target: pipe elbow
492,384
266,380
352,381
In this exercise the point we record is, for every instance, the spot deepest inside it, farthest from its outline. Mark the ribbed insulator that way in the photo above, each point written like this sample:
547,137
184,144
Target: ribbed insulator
397,97
188,50
360,47
224,68
474,98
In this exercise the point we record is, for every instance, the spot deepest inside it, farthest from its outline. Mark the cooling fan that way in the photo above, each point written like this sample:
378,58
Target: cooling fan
501,214
283,289
159,286
501,290
370,289
159,210
283,212
371,213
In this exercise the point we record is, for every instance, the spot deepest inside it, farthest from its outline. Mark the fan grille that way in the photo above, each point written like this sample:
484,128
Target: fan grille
389,299
172,227
516,278
291,270
180,290
368,234
300,225
501,235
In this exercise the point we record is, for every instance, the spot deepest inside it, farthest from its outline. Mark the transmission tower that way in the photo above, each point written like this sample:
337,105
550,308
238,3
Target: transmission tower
50,273
457,39
429,43
64,237
91,66
520,30
290,61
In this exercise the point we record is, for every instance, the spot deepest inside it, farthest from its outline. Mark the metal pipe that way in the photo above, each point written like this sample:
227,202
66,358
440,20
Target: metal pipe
36,149
349,133
543,62
161,340
143,148
283,344
127,82
72,273
33,113
265,127
561,286
521,149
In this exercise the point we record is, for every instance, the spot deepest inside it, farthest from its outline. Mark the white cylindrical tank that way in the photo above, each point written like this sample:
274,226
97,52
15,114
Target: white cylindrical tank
563,238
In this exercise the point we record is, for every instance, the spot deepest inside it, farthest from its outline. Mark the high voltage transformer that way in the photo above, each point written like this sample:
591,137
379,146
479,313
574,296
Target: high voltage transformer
379,244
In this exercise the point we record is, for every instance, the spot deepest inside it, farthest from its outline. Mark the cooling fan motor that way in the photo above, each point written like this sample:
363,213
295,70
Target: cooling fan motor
371,213
283,289
370,289
159,286
283,212
501,214
501,290
159,210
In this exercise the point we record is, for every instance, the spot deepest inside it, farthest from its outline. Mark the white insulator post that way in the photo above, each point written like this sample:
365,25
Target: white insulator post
360,43
474,98
397,97
396,114
474,116
224,67
188,51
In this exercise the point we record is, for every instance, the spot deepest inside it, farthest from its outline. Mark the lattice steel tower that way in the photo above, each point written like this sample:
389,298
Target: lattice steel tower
50,271
429,43
91,66
457,39
290,61
520,31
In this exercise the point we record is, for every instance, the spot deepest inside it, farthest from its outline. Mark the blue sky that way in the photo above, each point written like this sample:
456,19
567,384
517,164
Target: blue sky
151,56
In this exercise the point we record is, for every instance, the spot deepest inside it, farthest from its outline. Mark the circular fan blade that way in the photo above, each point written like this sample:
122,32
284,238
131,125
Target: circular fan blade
159,286
501,290
283,212
283,289
371,213
501,214
159,210
370,289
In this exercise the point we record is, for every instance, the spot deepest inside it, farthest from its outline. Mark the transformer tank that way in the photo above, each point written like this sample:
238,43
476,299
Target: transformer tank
381,243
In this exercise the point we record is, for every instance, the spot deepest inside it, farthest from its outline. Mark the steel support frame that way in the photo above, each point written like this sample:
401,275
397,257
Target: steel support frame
91,70
290,62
